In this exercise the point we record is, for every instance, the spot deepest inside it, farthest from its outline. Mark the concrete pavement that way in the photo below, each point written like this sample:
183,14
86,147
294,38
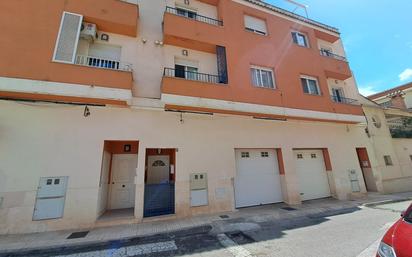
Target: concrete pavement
318,228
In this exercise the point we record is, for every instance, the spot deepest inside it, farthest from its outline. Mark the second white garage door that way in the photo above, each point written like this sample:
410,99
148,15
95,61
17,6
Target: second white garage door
311,172
257,178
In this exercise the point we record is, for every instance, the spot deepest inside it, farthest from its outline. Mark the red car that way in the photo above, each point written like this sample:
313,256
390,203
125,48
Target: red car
397,242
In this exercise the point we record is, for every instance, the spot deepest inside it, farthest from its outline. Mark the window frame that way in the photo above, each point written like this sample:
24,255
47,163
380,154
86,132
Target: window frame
260,69
305,36
187,11
258,32
59,35
307,78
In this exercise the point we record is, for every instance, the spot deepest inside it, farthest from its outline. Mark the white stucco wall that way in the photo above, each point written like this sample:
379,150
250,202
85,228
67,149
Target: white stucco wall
57,140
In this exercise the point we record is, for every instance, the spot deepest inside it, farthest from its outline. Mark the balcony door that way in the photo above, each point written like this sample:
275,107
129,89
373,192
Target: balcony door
338,95
186,69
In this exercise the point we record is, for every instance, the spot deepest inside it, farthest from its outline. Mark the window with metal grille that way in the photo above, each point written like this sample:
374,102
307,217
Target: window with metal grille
262,77
264,154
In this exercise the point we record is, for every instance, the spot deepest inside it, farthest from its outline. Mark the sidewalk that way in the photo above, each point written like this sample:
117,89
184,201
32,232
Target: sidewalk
324,207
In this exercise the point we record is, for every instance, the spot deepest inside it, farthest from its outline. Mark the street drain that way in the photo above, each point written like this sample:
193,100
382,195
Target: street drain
224,216
78,235
289,209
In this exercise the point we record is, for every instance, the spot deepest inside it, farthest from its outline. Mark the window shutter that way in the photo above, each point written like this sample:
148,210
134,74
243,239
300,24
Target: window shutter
68,38
255,24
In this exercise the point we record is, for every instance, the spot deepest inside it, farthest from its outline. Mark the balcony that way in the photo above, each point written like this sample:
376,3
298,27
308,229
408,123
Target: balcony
332,55
335,66
194,76
344,100
119,17
194,16
193,31
103,63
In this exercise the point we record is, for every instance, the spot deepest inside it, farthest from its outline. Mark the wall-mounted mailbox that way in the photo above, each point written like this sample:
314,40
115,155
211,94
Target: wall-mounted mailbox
198,189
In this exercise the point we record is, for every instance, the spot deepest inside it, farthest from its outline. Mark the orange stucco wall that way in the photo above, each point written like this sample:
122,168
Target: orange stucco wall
31,28
243,48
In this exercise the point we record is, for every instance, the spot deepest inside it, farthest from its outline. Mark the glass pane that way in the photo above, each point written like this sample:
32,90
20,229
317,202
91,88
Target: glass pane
304,86
265,80
294,37
301,40
191,73
253,73
313,87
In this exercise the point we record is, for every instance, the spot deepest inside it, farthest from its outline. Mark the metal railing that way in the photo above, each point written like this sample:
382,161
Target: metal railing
344,100
102,63
194,16
190,75
332,55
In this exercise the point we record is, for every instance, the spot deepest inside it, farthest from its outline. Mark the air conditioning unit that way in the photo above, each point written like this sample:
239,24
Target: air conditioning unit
88,31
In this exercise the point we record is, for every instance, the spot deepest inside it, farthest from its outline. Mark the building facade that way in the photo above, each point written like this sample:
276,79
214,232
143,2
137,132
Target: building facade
116,111
390,131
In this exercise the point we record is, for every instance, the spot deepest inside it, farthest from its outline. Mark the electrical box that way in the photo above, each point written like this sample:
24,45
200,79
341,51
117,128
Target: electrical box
198,189
354,181
50,198
198,181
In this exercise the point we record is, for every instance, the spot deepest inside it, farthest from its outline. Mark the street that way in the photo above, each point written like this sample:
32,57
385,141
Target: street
352,232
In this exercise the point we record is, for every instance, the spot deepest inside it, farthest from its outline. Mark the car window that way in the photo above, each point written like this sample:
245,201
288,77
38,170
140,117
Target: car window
408,215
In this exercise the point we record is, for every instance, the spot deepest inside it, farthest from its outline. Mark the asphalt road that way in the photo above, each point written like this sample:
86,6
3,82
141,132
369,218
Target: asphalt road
352,232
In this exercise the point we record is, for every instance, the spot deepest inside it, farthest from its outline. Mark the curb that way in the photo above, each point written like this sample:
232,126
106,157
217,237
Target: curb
373,204
79,247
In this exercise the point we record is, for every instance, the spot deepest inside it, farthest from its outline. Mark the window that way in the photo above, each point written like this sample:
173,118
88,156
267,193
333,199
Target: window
262,77
310,85
300,156
245,154
388,160
186,72
386,104
337,95
255,25
410,156
186,13
264,154
300,39
313,156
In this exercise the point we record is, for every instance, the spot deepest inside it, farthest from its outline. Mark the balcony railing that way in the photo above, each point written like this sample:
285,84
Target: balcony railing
344,100
103,63
332,55
190,75
194,16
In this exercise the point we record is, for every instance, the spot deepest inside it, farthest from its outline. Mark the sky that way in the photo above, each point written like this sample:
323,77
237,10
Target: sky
376,34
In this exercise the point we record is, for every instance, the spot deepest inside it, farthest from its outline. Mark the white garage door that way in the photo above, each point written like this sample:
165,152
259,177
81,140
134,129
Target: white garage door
257,178
311,172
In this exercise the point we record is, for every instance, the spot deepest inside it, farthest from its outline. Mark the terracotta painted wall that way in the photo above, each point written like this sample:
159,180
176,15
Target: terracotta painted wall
30,29
275,51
